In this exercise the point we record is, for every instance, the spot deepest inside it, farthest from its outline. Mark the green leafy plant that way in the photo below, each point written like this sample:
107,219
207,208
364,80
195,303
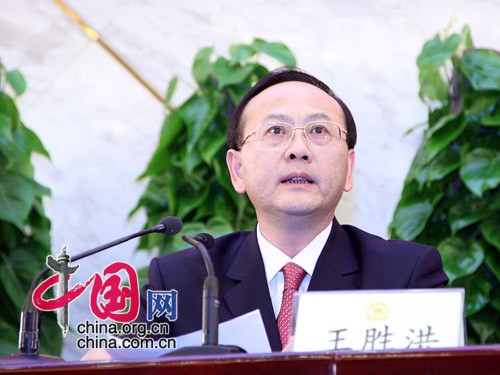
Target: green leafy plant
451,195
24,228
187,173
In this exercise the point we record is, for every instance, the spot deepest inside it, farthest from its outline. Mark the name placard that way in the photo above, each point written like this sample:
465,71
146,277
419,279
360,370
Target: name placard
378,319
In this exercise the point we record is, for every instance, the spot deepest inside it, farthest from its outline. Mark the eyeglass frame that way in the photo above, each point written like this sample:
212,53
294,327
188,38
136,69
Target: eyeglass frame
254,132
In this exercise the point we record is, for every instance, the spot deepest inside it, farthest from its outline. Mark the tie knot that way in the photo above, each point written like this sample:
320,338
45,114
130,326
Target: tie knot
294,274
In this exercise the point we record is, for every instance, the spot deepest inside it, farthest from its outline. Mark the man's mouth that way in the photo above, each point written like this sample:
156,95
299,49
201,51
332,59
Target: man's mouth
297,180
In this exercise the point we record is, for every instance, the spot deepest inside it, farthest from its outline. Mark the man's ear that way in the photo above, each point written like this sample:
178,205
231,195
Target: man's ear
350,170
233,161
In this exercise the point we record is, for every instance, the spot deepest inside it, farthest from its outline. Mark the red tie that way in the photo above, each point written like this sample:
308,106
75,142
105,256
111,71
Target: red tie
294,274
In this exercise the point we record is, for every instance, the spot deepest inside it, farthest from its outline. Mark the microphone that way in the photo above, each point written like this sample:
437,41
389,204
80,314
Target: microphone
206,239
210,305
29,330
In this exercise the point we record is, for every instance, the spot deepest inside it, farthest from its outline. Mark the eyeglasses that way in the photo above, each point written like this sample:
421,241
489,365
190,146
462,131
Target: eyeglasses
276,135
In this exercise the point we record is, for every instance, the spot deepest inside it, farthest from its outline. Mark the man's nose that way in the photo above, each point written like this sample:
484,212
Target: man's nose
299,147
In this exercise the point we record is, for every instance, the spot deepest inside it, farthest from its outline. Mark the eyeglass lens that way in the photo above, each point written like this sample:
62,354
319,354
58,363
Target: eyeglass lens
276,135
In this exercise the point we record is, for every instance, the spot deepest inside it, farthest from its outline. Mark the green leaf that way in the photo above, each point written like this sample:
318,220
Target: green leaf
40,228
154,196
484,323
480,170
16,196
224,180
35,143
8,339
413,212
495,299
172,126
8,108
471,210
441,166
11,280
477,289
211,146
434,54
479,104
482,68
490,230
220,224
17,144
26,262
39,189
7,143
492,119
172,85
492,260
467,37
410,220
142,274
237,92
241,52
432,85
276,50
191,162
436,51
417,166
461,257
188,202
227,73
51,338
16,81
444,132
197,113
202,68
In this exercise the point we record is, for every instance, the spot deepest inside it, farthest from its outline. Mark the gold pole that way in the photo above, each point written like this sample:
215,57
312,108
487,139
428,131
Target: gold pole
95,36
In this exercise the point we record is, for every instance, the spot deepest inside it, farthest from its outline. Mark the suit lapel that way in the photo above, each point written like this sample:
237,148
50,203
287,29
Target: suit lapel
251,291
337,267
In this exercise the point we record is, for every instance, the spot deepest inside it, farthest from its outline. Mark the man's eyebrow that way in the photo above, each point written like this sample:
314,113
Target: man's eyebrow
285,118
320,116
278,117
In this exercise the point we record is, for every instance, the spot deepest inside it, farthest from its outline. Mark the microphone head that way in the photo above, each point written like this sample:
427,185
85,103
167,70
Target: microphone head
169,226
206,239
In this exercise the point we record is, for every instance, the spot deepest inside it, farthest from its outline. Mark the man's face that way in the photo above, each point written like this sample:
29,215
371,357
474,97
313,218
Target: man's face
274,180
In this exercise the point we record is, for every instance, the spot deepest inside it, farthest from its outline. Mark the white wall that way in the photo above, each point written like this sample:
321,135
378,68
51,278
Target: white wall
101,126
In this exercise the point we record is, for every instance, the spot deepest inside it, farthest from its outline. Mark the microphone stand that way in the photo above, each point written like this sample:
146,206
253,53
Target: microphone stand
210,310
29,330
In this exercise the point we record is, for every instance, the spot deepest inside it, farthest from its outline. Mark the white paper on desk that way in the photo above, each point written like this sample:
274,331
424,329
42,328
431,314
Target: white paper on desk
246,331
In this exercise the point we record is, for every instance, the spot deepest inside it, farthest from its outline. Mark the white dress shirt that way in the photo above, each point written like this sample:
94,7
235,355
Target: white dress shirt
275,259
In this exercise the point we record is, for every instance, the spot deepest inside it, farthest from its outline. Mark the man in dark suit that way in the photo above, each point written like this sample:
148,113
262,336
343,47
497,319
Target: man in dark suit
291,143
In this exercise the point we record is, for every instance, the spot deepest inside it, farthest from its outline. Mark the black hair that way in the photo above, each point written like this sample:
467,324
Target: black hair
274,77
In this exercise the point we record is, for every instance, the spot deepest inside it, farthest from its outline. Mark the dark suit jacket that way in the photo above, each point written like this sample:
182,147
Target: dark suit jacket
351,259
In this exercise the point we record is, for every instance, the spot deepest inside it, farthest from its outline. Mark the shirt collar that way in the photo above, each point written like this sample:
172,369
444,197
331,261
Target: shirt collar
274,259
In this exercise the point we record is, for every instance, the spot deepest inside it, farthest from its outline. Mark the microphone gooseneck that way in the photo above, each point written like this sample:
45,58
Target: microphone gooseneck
210,306
200,242
29,330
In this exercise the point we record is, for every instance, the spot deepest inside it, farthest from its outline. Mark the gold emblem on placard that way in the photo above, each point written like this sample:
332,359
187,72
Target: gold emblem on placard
377,311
